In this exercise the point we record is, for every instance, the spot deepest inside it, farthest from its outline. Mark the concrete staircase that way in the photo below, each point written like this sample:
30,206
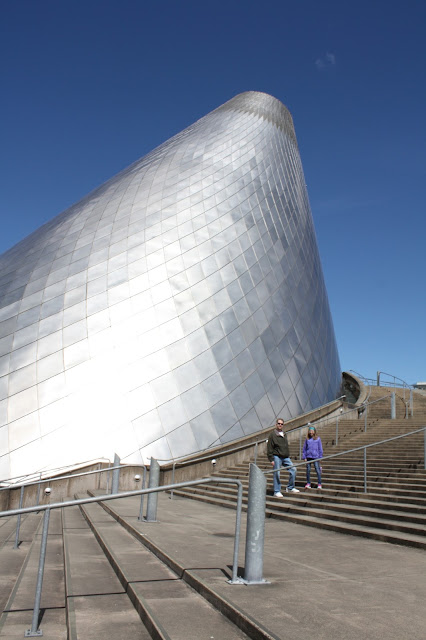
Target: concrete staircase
394,507
102,580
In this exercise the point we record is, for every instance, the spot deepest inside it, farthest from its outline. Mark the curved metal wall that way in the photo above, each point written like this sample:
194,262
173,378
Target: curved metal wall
179,305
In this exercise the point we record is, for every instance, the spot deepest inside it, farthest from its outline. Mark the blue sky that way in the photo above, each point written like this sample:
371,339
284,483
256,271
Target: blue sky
89,87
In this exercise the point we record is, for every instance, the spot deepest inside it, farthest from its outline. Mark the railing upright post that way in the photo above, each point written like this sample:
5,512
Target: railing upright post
140,517
115,475
393,406
38,492
33,631
378,378
173,478
255,535
255,453
154,481
235,579
365,469
424,447
18,522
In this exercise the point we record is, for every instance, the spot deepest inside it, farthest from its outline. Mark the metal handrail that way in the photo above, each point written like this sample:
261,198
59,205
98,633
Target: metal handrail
67,477
404,384
50,471
71,503
363,378
364,406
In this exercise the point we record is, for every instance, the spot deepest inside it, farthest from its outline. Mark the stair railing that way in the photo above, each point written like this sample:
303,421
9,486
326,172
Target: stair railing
50,481
362,411
12,482
362,448
34,630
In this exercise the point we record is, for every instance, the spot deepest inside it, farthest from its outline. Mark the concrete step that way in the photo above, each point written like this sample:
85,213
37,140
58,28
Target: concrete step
97,603
314,498
168,605
17,614
11,560
297,503
126,514
340,524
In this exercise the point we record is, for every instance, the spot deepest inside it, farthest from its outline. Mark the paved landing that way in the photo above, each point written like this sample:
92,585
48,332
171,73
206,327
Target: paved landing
335,586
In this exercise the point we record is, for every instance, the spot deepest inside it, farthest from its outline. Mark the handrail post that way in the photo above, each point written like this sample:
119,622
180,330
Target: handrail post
424,447
173,478
365,469
255,453
115,475
378,378
36,612
38,491
393,406
235,579
255,534
18,522
140,517
154,481
107,481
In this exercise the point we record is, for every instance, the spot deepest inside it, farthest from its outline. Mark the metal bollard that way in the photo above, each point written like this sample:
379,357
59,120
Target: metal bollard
255,535
154,481
18,522
115,475
393,406
33,631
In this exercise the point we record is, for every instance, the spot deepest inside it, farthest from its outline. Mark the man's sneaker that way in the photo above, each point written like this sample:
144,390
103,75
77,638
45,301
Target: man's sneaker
278,494
320,486
307,486
294,490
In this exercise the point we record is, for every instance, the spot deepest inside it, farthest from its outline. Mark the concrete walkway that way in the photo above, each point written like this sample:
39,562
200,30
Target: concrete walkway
323,584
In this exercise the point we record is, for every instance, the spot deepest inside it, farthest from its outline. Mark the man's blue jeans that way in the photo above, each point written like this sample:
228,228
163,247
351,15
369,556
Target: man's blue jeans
287,463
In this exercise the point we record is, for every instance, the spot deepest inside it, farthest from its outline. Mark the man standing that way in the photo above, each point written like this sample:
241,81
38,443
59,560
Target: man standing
279,454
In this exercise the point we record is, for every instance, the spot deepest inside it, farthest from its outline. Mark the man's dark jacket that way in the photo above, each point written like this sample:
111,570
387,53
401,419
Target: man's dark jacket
277,446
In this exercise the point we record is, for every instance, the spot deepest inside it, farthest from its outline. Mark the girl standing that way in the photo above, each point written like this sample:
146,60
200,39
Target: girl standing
312,449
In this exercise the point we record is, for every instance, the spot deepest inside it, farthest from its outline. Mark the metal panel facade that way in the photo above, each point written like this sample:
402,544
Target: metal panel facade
180,305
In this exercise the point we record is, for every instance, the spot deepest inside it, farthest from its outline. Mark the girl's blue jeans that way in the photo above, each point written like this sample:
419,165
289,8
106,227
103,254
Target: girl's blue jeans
317,469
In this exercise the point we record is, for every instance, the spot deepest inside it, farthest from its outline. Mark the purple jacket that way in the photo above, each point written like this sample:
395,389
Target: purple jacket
312,448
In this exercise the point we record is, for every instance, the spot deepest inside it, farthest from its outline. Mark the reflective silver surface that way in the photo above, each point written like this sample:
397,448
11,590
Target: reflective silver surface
180,305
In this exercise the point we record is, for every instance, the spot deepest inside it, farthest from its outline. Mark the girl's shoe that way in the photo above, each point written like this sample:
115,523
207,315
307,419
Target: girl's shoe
320,486
307,486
